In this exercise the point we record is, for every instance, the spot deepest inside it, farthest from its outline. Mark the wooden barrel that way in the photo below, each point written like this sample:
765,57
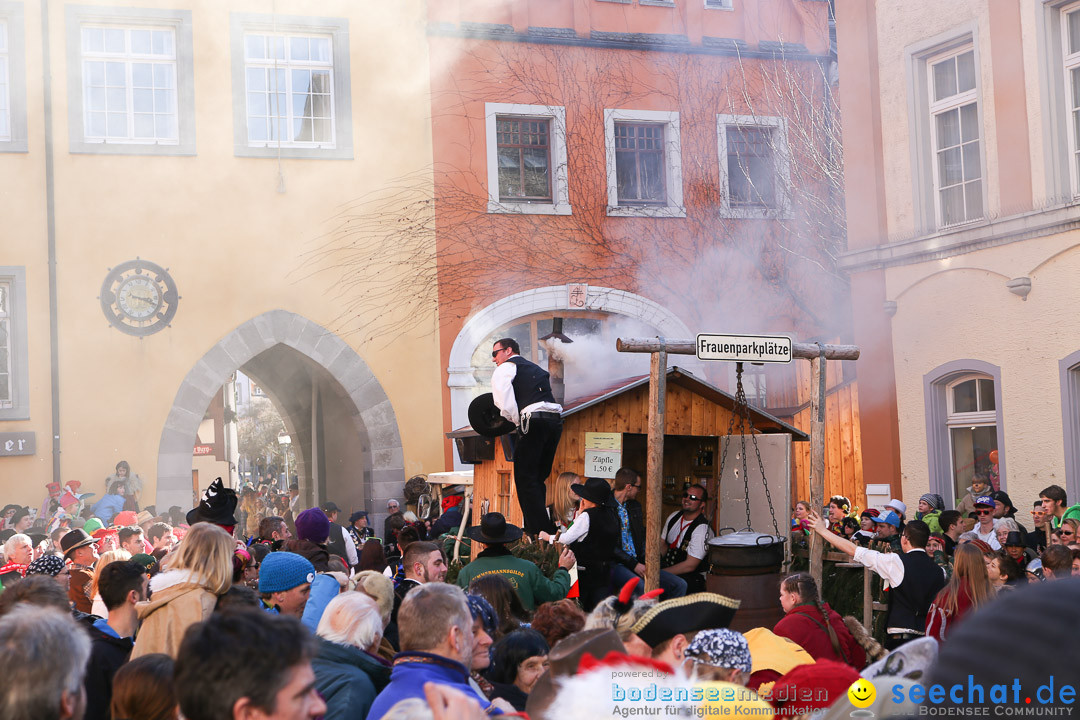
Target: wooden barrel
759,593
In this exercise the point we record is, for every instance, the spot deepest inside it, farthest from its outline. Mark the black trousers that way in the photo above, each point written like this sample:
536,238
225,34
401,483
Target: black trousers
894,641
533,458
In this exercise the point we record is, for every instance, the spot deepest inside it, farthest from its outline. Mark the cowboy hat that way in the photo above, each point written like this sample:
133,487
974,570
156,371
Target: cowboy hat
594,490
75,540
494,530
487,419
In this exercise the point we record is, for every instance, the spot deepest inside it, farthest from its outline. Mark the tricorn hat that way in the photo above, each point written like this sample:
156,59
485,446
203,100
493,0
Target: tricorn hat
75,539
486,419
680,616
563,661
217,506
494,530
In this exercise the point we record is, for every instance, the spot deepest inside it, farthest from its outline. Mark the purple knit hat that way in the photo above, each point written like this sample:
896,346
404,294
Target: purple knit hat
313,525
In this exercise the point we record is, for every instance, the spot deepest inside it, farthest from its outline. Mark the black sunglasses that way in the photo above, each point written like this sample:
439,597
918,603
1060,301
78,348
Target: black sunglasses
692,497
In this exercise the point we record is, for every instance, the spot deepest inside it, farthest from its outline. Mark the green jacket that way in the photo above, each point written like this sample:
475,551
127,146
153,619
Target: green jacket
532,586
1073,511
932,520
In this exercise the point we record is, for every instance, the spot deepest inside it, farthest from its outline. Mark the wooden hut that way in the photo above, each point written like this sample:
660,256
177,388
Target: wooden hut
698,414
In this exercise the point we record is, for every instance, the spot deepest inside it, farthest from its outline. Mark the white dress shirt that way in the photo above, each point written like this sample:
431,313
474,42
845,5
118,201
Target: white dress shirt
578,530
502,390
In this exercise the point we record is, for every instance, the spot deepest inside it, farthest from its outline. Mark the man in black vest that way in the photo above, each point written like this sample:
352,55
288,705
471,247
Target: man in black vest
522,392
912,577
340,542
685,541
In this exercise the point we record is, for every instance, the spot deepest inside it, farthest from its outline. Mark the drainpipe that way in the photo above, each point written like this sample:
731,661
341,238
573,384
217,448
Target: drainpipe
50,221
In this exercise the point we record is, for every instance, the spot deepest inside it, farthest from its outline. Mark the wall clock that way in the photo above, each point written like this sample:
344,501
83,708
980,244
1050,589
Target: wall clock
139,297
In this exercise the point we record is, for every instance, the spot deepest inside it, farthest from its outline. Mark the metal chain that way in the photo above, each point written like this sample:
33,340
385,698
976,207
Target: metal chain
730,430
742,409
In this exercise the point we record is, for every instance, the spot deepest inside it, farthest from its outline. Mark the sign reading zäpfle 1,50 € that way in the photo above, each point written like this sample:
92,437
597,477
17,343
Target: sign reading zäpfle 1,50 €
744,348
602,463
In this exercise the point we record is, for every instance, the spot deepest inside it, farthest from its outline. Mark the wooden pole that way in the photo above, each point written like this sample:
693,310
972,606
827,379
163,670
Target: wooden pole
655,468
817,456
806,351
868,602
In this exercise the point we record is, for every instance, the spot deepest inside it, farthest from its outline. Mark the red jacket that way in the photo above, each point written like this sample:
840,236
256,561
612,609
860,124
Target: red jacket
940,622
804,625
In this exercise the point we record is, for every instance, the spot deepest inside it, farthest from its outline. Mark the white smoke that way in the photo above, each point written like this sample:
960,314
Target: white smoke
591,363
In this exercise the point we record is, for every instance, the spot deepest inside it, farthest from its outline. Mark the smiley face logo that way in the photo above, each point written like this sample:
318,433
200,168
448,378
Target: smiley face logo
862,693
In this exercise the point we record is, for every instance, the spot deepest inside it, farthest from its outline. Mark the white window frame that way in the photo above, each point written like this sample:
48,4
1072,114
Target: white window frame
337,29
971,418
128,58
19,407
5,82
6,326
782,163
14,68
674,207
288,65
1070,62
560,189
953,419
77,17
917,60
728,5
938,107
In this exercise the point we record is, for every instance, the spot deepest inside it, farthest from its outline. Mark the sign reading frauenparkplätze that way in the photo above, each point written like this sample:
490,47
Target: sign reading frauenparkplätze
744,348
17,443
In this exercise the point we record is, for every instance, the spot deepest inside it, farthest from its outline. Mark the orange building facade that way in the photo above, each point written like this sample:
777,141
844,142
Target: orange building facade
609,168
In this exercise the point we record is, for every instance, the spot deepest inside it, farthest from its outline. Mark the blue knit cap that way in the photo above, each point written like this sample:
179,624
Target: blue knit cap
282,571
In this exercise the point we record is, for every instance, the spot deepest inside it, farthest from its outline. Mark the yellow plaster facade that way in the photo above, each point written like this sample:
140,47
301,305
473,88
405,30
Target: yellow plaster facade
237,235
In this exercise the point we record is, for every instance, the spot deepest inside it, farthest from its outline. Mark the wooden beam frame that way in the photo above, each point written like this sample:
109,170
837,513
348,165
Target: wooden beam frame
659,347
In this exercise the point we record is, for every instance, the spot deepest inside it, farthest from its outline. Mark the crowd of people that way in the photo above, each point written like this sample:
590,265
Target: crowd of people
239,609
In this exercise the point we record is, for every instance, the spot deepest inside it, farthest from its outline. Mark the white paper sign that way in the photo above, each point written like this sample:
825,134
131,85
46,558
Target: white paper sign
602,463
744,348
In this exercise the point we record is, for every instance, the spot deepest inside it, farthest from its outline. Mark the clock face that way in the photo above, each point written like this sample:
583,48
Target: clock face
139,297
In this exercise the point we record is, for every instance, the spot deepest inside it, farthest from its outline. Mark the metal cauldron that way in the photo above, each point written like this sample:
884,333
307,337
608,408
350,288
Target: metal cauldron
746,549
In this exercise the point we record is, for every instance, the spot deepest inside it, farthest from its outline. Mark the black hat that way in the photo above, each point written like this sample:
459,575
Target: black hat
217,506
329,507
1003,497
75,539
487,419
356,516
494,530
594,490
37,538
1014,539
680,616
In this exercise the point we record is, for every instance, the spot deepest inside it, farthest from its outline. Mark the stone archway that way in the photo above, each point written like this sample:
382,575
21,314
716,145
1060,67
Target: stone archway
373,414
460,378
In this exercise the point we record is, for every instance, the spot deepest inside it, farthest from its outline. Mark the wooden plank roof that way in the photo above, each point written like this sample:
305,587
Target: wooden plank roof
762,420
